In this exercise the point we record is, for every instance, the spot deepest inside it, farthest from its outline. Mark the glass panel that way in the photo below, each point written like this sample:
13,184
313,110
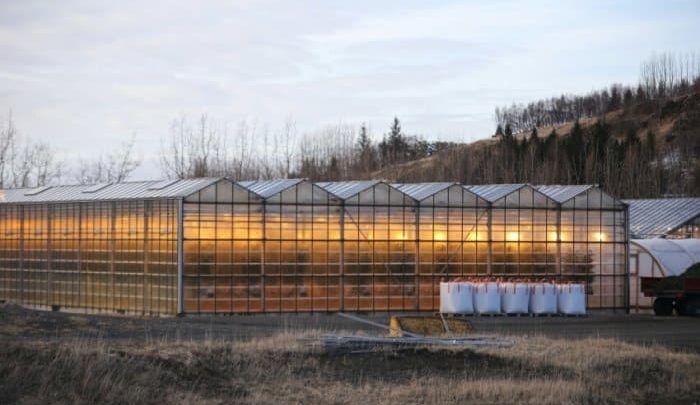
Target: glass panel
305,252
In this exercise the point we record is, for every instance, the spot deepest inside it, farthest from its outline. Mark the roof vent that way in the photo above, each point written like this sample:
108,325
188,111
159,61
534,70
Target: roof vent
37,190
162,184
96,188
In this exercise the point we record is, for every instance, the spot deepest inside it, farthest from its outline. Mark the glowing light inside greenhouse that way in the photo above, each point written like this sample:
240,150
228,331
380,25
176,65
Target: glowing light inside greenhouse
221,247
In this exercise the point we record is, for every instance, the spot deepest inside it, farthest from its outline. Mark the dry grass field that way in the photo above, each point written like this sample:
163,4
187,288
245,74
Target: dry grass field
287,369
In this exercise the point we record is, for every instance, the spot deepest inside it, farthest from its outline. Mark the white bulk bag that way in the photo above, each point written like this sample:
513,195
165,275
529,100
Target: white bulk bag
464,301
445,299
515,298
543,298
487,298
572,299
456,298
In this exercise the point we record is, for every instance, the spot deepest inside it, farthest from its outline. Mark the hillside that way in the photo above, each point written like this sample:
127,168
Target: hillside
671,159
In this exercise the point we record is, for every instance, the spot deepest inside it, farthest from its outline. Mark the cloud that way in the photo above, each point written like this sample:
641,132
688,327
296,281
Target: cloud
83,75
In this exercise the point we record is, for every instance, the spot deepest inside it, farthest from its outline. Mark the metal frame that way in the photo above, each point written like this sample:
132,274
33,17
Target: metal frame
376,260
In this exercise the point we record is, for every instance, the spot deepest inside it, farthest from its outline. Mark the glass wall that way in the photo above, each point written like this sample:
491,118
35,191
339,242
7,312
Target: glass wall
223,229
594,247
305,248
302,250
11,248
453,240
379,245
524,229
91,255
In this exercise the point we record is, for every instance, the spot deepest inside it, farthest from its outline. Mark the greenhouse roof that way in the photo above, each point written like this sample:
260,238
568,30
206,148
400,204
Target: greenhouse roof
674,256
265,189
137,190
347,189
494,192
268,188
421,191
650,218
561,193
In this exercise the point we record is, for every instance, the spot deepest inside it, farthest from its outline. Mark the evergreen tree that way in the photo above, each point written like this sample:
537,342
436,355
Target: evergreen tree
641,94
396,145
395,130
576,153
365,151
549,141
600,143
650,144
499,132
511,144
534,137
508,133
631,140
549,157
615,98
628,98
363,141
509,153
601,138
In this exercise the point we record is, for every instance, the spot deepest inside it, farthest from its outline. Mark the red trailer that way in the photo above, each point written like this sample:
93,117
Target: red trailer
681,293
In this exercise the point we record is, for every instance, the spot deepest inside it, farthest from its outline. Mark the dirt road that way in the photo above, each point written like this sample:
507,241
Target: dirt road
18,323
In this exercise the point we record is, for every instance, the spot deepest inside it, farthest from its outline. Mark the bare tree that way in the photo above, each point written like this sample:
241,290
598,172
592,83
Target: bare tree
288,142
667,74
124,161
243,162
35,166
268,150
24,163
7,142
328,154
174,159
113,167
188,152
45,167
198,151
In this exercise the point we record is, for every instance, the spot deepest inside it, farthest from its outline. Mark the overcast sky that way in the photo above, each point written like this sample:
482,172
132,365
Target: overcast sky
85,75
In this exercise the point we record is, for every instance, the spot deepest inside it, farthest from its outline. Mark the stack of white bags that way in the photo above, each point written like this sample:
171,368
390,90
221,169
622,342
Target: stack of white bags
490,298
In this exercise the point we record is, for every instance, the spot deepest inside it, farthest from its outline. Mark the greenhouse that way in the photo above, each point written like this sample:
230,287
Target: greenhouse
214,245
670,218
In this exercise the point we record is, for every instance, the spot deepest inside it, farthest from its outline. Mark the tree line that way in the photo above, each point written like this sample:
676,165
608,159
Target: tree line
620,152
661,76
249,151
636,165
630,166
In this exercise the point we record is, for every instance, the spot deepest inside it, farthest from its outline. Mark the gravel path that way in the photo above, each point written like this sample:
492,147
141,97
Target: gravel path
17,323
